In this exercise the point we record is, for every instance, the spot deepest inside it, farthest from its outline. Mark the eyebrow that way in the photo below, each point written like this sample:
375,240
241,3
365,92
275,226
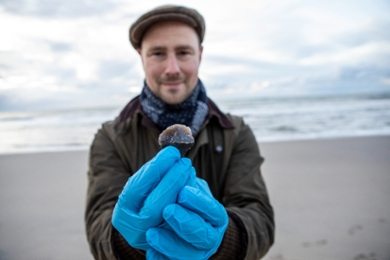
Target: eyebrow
157,48
184,47
161,48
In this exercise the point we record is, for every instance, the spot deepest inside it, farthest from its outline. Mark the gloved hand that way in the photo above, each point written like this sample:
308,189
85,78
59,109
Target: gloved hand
148,192
198,222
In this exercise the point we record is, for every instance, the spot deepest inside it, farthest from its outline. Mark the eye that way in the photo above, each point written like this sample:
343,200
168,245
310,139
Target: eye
158,53
183,53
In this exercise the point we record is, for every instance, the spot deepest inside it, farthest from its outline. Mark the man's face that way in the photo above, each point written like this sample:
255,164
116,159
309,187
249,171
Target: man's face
171,56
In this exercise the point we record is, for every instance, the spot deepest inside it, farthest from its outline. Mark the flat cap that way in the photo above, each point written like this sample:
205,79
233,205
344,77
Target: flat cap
166,13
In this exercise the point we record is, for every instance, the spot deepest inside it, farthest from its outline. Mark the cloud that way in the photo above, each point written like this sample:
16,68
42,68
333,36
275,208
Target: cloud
368,53
65,61
373,30
77,53
58,8
115,68
385,80
58,46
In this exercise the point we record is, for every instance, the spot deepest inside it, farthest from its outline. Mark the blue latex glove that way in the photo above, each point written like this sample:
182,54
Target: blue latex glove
148,192
152,254
198,222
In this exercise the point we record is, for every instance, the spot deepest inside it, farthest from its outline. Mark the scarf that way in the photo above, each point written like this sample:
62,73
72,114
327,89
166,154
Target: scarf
192,112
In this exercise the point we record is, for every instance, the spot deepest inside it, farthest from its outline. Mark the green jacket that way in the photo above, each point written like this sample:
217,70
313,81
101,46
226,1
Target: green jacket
225,154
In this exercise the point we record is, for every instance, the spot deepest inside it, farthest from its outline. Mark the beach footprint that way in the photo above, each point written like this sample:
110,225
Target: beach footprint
277,257
370,256
319,242
355,229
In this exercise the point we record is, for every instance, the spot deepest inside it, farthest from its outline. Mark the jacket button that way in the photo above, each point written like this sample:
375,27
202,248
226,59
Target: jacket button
218,148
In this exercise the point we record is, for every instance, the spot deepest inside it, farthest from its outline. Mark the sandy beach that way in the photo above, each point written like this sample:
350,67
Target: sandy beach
330,196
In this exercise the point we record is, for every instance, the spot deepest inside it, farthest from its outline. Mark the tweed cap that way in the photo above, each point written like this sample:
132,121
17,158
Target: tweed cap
166,13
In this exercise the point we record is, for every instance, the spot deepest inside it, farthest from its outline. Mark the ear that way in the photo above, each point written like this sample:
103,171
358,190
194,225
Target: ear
200,53
140,55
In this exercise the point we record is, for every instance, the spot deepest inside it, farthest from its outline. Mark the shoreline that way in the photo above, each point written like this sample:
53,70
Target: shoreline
330,199
86,148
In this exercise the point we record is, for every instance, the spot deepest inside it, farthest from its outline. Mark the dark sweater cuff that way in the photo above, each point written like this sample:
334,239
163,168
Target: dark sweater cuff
235,241
122,250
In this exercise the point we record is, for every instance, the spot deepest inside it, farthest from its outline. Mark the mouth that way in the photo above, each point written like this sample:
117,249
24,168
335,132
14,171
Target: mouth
172,84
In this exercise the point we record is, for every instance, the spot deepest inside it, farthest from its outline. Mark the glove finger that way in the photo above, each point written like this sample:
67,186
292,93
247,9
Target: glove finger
139,186
169,244
191,227
137,239
200,202
152,254
203,185
192,180
166,191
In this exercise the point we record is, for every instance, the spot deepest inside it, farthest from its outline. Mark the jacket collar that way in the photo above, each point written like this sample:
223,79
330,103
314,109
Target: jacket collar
134,108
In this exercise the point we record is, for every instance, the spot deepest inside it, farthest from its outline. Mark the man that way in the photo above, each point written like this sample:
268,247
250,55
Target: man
148,202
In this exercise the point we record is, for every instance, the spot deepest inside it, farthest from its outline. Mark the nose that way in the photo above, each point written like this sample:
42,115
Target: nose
172,65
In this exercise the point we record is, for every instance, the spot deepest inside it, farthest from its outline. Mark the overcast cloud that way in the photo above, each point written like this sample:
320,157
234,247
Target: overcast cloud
64,54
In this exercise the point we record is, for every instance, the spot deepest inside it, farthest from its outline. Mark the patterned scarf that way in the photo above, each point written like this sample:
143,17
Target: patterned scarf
192,112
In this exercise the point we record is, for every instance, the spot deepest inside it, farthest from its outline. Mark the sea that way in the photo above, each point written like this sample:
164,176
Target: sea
271,119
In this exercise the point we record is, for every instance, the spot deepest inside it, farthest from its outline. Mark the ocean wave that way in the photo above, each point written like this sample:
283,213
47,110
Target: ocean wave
277,119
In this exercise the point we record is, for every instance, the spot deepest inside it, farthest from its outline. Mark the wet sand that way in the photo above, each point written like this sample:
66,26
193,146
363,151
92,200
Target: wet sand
331,201
331,198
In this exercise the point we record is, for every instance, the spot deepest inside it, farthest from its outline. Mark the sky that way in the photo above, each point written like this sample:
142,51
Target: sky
76,53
